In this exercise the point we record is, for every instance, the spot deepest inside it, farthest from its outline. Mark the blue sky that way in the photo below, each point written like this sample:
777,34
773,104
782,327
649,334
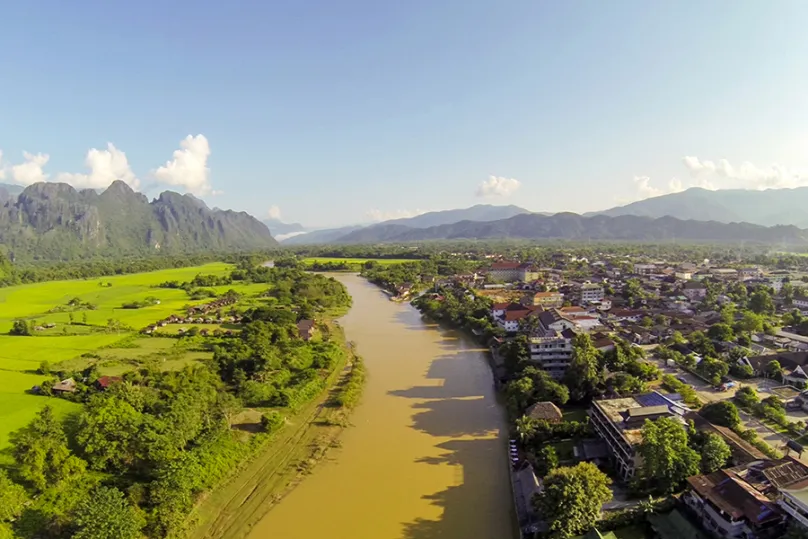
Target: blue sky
338,112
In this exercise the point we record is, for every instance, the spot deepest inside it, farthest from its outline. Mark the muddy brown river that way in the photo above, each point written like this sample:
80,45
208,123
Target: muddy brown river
426,455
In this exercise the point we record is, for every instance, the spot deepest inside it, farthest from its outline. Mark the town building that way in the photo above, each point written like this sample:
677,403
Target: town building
591,292
619,423
551,350
745,502
305,329
777,278
545,300
644,269
513,271
694,290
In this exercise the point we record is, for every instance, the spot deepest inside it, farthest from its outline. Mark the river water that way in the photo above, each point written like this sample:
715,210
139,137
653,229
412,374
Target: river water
426,456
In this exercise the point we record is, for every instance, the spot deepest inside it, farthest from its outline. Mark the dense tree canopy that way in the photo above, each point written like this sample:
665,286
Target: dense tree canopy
572,499
667,459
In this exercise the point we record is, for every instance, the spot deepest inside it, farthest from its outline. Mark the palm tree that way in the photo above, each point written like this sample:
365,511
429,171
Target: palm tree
524,427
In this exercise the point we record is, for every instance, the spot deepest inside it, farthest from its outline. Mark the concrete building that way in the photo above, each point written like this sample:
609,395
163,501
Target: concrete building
591,292
644,269
694,291
619,423
545,300
551,350
513,271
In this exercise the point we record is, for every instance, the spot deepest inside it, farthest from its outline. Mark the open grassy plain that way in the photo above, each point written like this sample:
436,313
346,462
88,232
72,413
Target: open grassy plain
88,340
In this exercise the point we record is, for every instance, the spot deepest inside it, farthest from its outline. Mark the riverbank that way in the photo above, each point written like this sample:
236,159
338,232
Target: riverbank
232,509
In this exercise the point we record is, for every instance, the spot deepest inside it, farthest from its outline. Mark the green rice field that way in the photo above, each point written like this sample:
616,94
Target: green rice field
113,352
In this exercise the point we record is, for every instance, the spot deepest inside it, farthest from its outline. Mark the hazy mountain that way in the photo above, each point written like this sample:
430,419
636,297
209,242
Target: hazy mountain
55,221
327,235
279,228
9,191
571,226
770,207
480,212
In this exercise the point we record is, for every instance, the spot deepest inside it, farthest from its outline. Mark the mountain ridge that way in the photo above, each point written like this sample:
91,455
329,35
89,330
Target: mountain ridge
54,221
571,226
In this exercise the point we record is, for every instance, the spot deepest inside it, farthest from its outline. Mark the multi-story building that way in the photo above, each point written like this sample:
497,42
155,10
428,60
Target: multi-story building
750,501
551,350
591,292
793,500
619,423
644,269
800,302
513,271
545,300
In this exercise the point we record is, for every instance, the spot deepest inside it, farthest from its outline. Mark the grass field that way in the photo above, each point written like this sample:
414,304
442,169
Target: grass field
355,261
64,345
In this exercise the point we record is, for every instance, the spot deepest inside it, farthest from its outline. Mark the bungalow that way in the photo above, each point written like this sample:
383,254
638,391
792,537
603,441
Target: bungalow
305,329
794,365
546,411
104,382
626,315
65,386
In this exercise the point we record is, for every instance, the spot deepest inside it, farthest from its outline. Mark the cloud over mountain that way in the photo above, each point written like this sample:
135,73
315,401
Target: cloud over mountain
496,186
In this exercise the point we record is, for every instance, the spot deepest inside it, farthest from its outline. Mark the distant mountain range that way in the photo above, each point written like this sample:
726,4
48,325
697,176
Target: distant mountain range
570,226
54,221
480,212
279,228
9,191
768,208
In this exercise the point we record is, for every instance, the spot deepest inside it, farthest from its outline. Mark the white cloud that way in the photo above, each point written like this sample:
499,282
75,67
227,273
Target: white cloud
496,186
274,212
189,166
744,176
30,171
380,215
105,166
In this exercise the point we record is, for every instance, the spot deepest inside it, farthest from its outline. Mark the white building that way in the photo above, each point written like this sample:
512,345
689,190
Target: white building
777,278
551,351
591,293
644,269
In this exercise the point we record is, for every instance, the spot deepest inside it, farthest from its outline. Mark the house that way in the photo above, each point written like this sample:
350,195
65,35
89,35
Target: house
104,382
683,275
742,502
619,423
800,302
65,386
746,274
546,411
725,274
694,291
553,319
794,365
545,300
498,309
305,329
626,315
602,342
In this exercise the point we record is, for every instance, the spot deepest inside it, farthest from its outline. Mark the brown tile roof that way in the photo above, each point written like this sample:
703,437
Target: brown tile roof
734,496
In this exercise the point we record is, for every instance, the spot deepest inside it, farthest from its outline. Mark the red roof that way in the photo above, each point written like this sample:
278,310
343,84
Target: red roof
505,265
518,315
500,306
106,381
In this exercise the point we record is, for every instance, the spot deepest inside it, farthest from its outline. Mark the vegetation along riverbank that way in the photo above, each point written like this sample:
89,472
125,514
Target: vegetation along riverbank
131,399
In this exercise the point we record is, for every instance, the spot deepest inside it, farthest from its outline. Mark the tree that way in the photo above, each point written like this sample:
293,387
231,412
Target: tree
41,451
667,459
12,498
524,428
647,322
583,373
546,460
722,413
572,499
714,369
107,515
751,322
715,453
774,369
677,338
747,397
721,332
21,328
761,301
626,384
108,432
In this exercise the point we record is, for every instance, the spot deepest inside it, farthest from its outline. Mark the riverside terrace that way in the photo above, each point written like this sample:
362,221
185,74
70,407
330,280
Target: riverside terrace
619,422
